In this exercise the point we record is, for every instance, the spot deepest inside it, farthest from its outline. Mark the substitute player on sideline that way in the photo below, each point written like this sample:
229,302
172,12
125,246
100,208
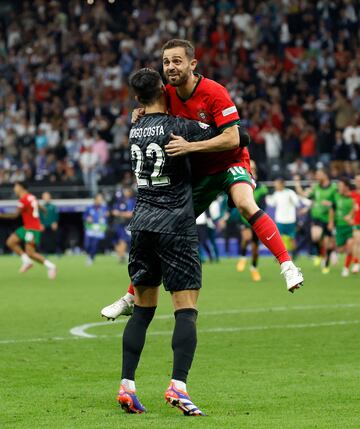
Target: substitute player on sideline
193,96
29,233
164,243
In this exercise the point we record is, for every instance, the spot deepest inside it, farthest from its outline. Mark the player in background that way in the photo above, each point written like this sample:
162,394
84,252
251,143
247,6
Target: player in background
122,212
248,235
30,233
214,214
95,224
322,196
49,219
164,242
220,164
355,195
341,216
202,226
285,201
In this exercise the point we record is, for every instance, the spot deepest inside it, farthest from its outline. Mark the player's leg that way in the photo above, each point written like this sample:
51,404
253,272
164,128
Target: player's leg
94,247
356,249
203,244
316,233
145,272
182,277
14,243
255,274
121,248
265,228
212,239
329,244
30,248
133,342
90,247
245,240
348,243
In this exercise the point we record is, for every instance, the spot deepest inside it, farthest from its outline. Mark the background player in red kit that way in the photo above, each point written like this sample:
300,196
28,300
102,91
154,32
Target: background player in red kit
355,195
219,164
29,233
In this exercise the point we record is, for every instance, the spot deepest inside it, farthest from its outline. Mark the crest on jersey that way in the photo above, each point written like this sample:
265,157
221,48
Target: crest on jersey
202,115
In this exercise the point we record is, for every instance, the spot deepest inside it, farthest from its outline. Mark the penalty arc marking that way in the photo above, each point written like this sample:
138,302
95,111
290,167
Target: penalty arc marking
210,330
81,331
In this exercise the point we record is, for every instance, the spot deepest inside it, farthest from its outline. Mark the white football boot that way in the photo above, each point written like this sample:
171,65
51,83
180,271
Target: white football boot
355,269
345,272
121,307
293,276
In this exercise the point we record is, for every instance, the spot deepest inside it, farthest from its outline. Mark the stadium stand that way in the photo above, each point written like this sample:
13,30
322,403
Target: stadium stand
293,68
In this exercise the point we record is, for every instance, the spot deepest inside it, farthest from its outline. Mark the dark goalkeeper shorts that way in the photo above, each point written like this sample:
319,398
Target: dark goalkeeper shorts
171,259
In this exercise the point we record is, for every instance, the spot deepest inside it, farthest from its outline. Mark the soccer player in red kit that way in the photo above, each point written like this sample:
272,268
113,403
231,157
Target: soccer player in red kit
355,195
29,233
220,164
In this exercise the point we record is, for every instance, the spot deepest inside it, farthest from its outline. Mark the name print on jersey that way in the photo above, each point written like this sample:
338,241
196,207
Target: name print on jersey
147,132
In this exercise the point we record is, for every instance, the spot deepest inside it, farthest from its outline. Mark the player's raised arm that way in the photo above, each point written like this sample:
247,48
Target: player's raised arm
227,140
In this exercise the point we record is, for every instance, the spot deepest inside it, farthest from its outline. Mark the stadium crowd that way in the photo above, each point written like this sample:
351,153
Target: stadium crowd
291,66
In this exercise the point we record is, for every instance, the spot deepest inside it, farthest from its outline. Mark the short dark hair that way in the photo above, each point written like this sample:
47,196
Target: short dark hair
346,181
180,43
325,171
146,84
23,184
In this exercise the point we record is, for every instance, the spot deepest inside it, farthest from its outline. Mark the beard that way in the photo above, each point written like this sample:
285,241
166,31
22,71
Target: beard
177,79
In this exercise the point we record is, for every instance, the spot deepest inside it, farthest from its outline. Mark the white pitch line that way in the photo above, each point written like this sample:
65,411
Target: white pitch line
80,331
202,331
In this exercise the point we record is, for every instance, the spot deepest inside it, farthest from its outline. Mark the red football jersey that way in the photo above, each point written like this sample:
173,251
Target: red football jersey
29,207
356,197
210,103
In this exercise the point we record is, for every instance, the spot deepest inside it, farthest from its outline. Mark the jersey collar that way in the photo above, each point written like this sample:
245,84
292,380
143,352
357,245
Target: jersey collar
194,89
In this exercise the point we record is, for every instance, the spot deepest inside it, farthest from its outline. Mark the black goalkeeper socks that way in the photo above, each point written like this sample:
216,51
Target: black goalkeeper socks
134,339
184,342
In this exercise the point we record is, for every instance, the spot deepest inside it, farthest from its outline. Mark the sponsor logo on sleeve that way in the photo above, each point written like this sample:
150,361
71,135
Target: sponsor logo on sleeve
229,111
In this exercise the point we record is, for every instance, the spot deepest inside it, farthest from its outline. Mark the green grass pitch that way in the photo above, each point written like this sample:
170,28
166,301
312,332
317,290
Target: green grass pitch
265,358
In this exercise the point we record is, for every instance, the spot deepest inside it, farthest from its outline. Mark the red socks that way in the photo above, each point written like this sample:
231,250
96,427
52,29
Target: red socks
268,233
356,260
131,289
348,261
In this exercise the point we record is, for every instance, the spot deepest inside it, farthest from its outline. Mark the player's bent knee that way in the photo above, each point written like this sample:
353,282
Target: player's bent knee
12,241
29,250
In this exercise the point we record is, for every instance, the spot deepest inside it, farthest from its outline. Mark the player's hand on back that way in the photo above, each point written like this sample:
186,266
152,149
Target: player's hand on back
137,114
177,146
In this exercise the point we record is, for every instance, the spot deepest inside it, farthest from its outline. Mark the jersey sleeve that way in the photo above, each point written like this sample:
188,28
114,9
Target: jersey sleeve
195,131
222,108
294,198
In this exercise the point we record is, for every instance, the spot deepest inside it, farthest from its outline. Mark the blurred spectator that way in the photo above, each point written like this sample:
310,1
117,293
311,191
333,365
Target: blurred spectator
293,70
89,161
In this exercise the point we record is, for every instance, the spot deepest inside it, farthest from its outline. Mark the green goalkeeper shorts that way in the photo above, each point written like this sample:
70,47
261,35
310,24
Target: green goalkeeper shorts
30,236
206,189
343,234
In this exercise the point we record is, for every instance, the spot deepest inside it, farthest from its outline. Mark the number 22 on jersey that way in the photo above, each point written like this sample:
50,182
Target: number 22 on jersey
153,153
